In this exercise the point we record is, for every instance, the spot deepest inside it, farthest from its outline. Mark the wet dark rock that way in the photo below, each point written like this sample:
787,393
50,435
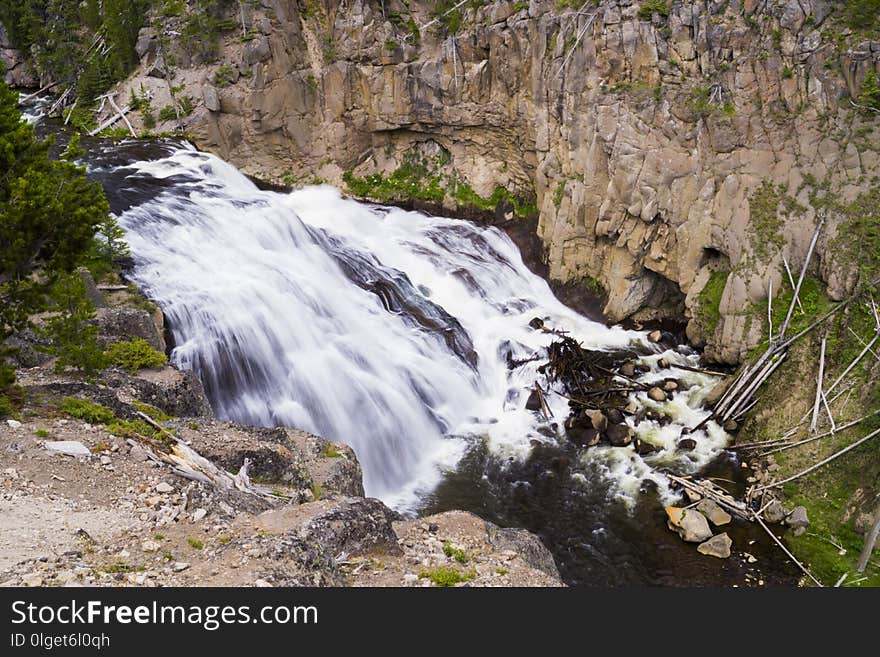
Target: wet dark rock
533,403
583,437
643,447
536,323
730,426
619,435
614,416
687,444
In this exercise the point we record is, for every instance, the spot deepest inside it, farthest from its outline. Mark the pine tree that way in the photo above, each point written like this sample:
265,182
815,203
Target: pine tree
870,96
49,212
73,336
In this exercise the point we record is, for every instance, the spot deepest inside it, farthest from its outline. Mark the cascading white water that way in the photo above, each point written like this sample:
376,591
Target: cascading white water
385,329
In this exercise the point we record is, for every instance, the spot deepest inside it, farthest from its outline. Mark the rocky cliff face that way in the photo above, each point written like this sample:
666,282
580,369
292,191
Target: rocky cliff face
659,149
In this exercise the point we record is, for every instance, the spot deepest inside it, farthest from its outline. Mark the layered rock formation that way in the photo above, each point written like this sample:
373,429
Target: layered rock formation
659,148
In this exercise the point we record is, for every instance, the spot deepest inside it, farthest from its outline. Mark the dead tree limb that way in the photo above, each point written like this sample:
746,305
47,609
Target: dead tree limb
818,401
785,549
870,540
820,463
797,288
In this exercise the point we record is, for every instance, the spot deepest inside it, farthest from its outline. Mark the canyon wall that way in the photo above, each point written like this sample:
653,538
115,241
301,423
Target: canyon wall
662,152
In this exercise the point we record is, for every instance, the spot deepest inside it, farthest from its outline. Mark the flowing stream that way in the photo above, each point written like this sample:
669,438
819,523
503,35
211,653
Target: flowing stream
386,329
394,332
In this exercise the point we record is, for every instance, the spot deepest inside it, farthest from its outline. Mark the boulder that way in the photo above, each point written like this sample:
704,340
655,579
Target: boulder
689,524
211,98
657,394
775,512
628,369
614,416
619,435
643,447
798,520
670,385
357,526
533,403
597,419
655,336
120,324
93,294
583,437
716,515
717,546
68,447
687,444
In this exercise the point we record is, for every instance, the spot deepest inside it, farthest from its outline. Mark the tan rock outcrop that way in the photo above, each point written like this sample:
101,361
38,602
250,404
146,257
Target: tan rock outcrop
642,141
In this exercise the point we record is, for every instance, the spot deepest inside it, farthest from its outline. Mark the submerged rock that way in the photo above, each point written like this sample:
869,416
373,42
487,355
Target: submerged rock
716,515
717,546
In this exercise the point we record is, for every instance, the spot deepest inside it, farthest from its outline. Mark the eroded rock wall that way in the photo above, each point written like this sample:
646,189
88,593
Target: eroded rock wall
643,139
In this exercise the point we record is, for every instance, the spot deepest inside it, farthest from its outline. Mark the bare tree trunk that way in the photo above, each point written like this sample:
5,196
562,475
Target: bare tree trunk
870,540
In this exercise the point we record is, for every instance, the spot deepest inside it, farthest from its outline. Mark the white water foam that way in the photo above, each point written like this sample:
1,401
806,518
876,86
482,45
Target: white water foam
385,329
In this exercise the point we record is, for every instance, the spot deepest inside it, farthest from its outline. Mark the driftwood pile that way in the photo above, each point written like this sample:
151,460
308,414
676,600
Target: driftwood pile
597,385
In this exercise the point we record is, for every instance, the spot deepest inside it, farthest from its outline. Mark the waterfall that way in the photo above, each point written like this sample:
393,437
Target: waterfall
381,328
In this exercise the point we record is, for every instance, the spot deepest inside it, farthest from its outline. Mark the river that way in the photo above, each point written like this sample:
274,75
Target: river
393,331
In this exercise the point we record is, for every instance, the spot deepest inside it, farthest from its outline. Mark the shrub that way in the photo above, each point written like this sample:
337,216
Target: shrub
134,355
74,340
455,553
87,410
224,76
446,576
167,113
651,7
5,406
870,96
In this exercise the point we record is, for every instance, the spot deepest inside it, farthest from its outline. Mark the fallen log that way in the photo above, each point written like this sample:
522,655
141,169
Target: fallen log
715,493
188,463
818,465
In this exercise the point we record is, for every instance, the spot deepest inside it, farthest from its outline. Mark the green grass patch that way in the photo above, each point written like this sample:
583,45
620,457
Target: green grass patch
155,413
455,553
195,543
825,494
331,452
86,410
710,301
447,576
133,355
